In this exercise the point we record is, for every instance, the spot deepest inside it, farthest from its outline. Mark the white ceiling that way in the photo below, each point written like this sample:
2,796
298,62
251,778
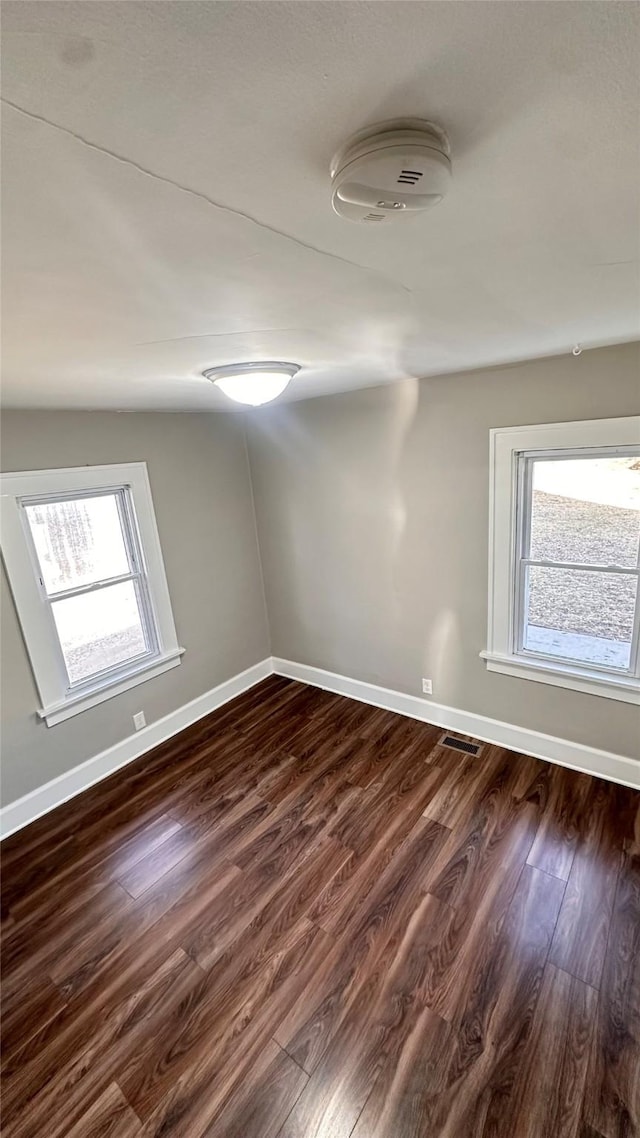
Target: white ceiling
166,201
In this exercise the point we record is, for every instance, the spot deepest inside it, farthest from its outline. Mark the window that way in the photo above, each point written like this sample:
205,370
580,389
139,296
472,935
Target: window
85,567
564,570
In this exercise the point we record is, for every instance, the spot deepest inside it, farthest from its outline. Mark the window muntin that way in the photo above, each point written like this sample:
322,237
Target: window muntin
577,549
91,573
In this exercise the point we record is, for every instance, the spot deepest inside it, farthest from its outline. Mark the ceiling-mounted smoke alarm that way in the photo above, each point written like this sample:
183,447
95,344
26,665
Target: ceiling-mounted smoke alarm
390,170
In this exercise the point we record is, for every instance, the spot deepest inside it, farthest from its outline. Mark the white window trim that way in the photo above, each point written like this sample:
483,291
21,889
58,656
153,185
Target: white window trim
506,443
58,703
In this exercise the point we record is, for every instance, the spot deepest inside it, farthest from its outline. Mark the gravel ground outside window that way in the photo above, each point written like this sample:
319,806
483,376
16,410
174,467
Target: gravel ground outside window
596,604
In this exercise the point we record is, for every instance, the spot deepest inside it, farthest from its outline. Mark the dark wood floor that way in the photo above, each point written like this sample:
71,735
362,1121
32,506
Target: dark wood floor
306,918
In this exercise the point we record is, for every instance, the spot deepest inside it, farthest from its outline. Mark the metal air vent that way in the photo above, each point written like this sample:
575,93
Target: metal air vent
460,745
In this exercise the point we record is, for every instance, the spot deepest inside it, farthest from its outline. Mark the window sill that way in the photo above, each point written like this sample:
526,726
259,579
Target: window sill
623,688
75,704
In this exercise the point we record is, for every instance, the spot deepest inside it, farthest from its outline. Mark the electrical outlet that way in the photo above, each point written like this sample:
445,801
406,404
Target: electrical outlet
427,687
139,720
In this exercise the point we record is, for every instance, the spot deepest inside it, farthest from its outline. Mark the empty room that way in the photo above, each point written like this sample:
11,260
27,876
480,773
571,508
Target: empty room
320,536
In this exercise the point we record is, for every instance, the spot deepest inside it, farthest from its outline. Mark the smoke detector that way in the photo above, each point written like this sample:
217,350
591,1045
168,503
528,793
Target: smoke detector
390,170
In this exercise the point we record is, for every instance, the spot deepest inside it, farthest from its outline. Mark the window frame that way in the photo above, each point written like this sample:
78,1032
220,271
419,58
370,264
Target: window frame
60,697
510,448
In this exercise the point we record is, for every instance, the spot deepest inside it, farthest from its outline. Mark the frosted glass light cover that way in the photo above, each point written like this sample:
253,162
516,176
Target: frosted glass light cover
254,383
261,387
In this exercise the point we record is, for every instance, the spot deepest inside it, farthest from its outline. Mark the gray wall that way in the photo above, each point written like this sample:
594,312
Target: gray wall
372,516
373,523
202,495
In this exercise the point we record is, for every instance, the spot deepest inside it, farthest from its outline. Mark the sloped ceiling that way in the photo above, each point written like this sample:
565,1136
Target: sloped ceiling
166,200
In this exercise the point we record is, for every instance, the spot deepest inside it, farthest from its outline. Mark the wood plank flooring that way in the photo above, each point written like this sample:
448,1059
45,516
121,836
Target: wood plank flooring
306,918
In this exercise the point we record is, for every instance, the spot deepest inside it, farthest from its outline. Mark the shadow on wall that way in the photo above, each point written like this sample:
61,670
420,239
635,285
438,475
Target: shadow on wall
441,562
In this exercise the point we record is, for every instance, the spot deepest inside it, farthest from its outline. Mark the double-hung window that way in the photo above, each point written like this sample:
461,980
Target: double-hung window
564,568
83,557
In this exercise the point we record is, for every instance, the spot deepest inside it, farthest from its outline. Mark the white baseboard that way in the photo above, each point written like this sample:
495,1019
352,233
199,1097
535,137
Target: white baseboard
38,802
603,764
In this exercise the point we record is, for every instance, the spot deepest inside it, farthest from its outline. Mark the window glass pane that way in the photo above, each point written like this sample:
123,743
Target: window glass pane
78,541
580,615
586,510
99,630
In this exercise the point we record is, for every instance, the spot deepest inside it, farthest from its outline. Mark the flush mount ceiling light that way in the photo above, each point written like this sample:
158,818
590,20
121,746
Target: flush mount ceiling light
253,383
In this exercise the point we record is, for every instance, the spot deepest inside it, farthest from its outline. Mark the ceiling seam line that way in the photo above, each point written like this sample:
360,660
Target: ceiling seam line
131,162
